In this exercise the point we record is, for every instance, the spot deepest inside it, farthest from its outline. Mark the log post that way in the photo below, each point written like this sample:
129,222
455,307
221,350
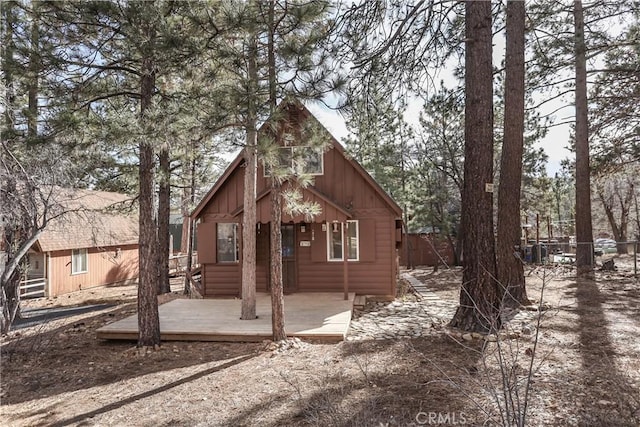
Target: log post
345,260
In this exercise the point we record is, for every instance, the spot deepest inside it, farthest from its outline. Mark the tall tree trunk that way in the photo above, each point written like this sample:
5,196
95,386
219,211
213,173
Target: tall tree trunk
7,66
480,295
509,265
277,292
189,228
34,75
164,212
584,229
185,198
148,319
248,309
277,287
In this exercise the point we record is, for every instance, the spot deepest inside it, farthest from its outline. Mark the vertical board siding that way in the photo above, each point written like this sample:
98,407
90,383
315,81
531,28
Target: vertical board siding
345,187
103,268
207,241
426,250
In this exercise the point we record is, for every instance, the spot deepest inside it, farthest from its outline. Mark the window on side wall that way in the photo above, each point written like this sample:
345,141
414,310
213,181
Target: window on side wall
335,243
79,261
227,244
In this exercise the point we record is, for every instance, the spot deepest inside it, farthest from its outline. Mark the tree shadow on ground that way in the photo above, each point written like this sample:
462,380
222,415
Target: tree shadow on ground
383,382
444,279
34,317
121,403
46,361
610,397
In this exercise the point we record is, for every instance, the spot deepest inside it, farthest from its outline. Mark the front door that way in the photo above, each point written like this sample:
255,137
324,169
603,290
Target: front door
289,257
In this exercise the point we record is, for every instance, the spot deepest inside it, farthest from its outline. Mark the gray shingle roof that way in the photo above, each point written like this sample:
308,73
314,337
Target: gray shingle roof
95,219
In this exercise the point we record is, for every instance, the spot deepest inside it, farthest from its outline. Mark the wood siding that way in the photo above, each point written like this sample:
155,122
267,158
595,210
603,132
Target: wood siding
341,183
373,274
103,268
222,279
365,277
344,192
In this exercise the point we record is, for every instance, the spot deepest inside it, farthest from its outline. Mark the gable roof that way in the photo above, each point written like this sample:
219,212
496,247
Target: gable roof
313,195
94,219
334,143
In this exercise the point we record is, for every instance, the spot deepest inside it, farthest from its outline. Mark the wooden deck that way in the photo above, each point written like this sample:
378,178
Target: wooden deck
316,316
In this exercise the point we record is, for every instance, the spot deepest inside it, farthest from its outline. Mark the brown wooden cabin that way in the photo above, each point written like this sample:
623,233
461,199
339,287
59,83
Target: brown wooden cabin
352,205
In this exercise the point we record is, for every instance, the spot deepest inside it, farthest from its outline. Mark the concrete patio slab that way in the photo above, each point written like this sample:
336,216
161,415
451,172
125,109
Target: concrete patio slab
321,316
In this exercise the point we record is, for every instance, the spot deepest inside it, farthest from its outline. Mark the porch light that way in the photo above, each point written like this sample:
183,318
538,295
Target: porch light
303,228
335,227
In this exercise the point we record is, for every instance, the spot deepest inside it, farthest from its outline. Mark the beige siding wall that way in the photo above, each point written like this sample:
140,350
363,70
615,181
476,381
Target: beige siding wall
103,268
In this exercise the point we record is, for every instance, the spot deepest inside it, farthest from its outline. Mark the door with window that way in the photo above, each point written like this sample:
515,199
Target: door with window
289,276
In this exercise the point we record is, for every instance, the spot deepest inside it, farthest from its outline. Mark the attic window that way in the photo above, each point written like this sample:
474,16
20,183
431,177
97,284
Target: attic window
288,139
308,160
300,160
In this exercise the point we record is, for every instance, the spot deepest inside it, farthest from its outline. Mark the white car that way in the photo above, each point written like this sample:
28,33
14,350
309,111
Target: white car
602,246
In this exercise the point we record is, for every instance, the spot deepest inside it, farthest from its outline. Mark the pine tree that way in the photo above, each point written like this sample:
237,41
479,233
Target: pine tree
120,50
480,294
584,229
565,36
510,268
36,160
294,36
271,42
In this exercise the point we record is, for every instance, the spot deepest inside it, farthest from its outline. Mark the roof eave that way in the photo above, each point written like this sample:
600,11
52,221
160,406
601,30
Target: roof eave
223,178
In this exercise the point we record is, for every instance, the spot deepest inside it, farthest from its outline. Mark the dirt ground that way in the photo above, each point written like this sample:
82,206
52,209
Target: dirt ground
586,368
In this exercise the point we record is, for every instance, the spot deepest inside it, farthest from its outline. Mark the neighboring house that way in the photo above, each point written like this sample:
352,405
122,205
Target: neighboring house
352,205
94,244
175,231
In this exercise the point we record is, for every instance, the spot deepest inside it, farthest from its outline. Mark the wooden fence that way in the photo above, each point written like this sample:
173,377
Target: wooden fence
33,288
425,249
178,263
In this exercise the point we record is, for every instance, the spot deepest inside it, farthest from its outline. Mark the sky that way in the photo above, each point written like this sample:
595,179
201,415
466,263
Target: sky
554,144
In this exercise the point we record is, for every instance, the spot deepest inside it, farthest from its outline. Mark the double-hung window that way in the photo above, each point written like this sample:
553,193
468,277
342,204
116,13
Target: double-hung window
79,261
335,242
227,243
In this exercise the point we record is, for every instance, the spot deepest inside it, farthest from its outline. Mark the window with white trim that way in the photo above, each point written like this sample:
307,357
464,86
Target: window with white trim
79,261
227,243
335,243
